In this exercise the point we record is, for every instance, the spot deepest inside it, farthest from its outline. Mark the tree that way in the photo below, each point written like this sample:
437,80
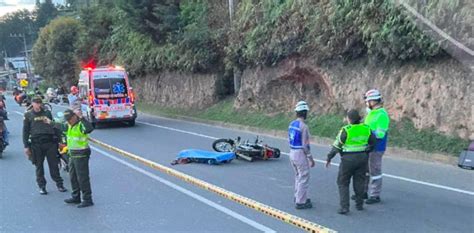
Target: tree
44,13
156,18
54,55
19,22
97,24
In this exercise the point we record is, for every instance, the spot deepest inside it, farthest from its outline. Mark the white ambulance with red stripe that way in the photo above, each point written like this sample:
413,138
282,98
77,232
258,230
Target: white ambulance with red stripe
106,95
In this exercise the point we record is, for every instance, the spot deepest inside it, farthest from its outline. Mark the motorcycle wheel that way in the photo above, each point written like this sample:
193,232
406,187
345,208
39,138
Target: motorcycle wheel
223,145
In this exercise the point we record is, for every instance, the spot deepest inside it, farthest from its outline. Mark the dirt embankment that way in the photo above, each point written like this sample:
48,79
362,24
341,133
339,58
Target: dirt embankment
438,95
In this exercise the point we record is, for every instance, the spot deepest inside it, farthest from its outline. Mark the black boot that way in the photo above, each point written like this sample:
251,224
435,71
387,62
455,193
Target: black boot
372,200
61,188
365,196
343,211
85,204
306,205
73,200
43,191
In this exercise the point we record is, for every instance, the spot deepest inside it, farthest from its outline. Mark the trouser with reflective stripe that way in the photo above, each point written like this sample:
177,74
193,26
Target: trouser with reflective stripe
353,165
80,182
374,183
300,165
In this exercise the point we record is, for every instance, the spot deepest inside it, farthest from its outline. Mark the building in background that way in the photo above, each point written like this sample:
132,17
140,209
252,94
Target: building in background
18,63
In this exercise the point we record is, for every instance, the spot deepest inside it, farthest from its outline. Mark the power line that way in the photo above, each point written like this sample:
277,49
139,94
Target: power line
435,28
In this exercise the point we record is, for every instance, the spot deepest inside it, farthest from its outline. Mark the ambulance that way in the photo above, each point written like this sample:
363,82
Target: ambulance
106,95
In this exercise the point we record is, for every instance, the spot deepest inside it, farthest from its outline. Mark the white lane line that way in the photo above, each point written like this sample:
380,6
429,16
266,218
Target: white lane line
189,193
322,161
409,180
430,184
19,113
177,130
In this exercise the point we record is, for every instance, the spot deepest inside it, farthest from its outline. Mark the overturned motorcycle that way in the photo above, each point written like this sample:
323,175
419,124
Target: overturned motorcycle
246,150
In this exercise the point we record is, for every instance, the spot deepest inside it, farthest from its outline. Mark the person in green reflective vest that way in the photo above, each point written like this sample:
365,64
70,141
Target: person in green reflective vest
353,143
378,120
79,154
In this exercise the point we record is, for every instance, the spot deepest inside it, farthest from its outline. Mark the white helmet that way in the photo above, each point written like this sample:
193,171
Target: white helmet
301,106
373,94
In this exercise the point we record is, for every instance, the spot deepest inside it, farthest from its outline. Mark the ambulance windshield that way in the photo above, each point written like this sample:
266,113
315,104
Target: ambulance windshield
109,85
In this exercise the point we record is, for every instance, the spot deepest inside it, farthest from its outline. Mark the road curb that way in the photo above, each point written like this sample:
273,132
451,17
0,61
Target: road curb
268,210
395,152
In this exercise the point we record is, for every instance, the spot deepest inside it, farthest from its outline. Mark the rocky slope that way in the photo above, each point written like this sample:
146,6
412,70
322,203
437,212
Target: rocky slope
439,95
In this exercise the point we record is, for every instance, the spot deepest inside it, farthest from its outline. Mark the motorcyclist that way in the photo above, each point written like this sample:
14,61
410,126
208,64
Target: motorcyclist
3,127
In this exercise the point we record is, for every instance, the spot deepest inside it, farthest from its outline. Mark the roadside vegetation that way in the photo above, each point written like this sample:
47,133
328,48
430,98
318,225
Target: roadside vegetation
152,36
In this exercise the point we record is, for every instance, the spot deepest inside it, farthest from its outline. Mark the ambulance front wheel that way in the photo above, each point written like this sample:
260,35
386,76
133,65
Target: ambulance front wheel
131,122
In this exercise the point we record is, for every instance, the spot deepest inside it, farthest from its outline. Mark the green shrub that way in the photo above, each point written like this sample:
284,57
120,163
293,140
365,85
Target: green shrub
267,31
185,41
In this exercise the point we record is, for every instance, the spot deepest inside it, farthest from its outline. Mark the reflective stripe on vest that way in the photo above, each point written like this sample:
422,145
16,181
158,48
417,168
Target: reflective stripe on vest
357,138
76,140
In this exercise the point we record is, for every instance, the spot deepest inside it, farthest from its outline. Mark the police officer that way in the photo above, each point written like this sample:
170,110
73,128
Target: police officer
40,142
378,120
353,143
300,155
79,153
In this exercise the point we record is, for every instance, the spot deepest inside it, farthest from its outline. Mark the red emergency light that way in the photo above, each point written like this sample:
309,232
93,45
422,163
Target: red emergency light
89,67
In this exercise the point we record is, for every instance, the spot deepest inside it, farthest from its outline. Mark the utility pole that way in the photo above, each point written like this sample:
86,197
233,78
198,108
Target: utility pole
231,10
27,67
26,56
236,72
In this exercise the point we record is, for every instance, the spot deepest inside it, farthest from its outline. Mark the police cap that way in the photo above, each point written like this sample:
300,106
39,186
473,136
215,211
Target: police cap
37,99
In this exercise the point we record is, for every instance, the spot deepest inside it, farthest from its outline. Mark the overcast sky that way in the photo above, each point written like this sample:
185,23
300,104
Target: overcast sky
20,4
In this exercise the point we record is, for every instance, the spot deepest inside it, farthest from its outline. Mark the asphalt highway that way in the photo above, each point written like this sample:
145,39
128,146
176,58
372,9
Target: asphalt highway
130,197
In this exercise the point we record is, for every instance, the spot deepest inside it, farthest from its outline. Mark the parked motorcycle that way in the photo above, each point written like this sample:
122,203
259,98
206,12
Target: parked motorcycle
51,96
245,149
60,128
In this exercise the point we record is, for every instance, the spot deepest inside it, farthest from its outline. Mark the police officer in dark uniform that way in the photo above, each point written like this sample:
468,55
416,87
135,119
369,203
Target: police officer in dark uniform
353,143
41,141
